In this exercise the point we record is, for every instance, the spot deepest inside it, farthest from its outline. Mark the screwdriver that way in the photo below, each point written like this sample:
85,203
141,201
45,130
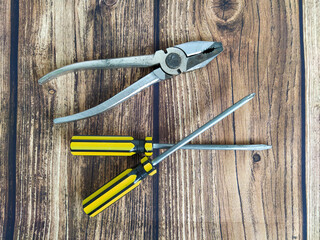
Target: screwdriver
128,146
131,178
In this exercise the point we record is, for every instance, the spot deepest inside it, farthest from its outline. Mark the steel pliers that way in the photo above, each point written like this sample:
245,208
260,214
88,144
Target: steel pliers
175,60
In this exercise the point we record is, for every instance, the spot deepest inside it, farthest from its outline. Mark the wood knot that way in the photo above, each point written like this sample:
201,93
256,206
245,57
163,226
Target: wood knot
256,157
226,12
110,3
52,91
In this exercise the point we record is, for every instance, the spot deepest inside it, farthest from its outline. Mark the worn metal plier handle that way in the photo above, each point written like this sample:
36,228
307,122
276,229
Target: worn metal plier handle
175,60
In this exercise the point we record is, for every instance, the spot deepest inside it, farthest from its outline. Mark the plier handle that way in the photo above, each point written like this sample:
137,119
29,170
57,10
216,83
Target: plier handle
175,60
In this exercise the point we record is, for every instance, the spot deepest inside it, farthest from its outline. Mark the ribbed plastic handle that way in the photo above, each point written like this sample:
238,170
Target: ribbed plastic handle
117,188
108,145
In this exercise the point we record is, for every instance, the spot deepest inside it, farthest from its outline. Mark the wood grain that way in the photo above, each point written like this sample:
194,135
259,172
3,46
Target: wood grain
51,183
5,29
226,194
311,39
195,194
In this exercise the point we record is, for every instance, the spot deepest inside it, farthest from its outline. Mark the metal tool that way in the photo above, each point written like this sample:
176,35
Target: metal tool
128,146
175,60
131,178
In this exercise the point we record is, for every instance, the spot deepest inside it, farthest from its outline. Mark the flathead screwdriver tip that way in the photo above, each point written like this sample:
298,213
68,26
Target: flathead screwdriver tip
251,95
57,121
259,147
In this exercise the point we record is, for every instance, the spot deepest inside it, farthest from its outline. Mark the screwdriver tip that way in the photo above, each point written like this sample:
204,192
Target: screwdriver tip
56,121
260,147
251,95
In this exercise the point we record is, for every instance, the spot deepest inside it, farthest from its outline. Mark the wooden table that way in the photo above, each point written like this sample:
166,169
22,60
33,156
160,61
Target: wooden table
271,48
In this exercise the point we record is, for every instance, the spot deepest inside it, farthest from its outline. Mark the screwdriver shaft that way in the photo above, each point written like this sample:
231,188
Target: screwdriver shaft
250,147
200,130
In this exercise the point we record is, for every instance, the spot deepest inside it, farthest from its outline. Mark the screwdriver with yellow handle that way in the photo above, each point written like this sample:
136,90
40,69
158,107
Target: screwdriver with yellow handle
128,146
132,177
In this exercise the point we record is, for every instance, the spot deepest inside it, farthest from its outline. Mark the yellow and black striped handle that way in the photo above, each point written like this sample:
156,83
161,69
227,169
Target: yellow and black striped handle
110,146
117,188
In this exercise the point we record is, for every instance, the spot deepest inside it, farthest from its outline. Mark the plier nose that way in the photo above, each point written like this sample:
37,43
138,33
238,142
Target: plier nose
208,52
181,58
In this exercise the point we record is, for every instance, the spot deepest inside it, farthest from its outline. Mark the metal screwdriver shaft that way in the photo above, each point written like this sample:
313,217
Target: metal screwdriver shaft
250,147
209,124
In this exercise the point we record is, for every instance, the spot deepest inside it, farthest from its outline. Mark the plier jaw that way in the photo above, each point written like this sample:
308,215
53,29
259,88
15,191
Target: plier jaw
199,55
181,58
199,47
188,56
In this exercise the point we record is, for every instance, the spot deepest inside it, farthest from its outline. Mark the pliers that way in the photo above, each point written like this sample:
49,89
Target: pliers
181,58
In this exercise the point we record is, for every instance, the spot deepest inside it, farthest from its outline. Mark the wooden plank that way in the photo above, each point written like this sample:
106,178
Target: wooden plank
311,9
51,183
227,194
5,124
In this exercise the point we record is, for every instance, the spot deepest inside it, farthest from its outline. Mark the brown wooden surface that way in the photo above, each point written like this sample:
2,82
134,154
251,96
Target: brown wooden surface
51,183
312,59
5,113
195,195
225,194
